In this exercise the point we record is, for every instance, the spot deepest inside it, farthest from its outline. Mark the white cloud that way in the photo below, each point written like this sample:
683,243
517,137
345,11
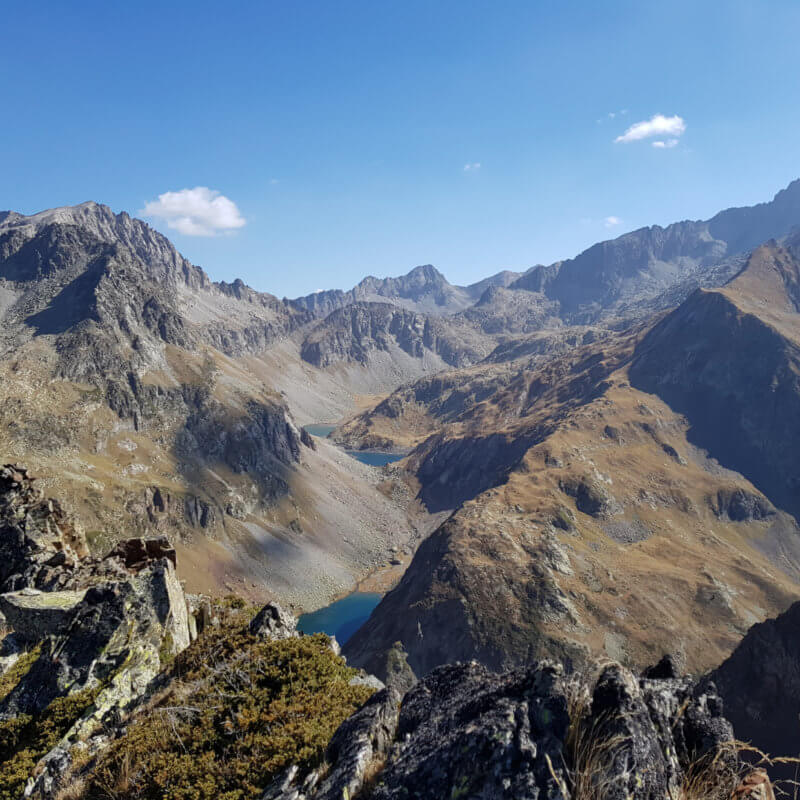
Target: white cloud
472,167
611,222
196,212
661,144
658,125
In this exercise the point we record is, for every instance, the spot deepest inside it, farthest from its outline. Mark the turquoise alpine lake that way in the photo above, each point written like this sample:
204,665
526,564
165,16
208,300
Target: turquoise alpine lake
342,618
372,457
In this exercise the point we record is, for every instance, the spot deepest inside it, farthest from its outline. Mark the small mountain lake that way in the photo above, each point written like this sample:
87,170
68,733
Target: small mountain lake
342,618
374,458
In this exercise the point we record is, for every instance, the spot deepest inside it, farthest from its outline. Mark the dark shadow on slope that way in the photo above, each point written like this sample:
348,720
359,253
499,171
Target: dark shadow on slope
455,471
737,381
73,304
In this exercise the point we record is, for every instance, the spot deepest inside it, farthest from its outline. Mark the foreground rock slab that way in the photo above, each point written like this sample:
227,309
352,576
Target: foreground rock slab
464,732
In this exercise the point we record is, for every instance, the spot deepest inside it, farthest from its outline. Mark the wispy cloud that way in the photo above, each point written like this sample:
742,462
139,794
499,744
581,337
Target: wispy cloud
666,143
657,125
475,165
612,222
613,115
196,212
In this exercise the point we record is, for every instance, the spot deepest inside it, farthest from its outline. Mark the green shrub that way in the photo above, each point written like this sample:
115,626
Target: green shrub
25,739
236,711
17,671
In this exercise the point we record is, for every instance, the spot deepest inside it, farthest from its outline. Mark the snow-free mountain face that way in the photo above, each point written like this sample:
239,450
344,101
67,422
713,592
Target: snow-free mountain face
161,400
635,274
144,392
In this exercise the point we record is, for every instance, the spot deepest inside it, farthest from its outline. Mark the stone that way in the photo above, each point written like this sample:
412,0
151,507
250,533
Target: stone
118,635
34,615
135,554
465,732
272,622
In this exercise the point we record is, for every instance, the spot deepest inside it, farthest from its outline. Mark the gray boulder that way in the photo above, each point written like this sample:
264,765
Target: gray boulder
34,615
272,622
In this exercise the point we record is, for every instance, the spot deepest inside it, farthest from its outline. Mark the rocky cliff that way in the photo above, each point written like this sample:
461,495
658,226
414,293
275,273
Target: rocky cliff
353,333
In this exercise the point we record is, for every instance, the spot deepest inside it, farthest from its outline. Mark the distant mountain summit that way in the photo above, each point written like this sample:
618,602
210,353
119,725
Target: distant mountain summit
424,289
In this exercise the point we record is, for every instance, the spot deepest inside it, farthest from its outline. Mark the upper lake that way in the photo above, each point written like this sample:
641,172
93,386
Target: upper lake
374,458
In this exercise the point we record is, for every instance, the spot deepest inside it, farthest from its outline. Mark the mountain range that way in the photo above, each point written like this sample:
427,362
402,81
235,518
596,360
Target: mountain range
159,399
597,461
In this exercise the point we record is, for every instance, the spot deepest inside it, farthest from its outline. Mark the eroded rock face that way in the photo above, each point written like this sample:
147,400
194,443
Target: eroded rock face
355,332
464,732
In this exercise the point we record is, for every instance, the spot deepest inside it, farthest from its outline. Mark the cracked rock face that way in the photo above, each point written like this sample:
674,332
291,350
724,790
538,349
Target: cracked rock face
464,732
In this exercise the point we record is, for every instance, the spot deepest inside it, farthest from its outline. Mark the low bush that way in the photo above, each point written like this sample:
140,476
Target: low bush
235,712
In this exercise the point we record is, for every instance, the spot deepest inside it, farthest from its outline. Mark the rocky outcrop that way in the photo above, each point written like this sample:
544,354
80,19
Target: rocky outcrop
39,543
33,615
760,684
739,505
356,332
104,627
272,622
465,732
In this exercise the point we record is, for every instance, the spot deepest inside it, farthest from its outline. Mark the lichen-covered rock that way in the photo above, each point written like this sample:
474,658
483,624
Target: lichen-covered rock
34,615
660,727
110,648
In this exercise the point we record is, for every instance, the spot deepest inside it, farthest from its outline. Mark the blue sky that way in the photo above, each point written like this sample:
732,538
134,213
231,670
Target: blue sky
340,131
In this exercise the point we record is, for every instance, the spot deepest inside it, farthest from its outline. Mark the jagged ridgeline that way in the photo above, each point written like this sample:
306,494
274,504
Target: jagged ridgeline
116,684
600,466
159,402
